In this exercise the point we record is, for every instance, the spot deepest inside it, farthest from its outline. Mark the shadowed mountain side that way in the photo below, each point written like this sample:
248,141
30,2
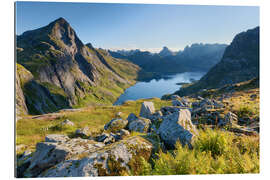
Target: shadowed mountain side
240,62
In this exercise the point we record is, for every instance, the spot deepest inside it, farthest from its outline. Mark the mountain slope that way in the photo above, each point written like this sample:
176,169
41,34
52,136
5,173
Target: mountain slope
197,57
166,52
240,62
61,63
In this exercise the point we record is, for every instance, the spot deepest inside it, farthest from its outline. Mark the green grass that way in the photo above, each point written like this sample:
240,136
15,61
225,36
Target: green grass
30,131
214,152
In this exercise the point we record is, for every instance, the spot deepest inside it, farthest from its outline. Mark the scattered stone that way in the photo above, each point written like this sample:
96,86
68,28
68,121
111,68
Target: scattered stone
147,109
56,138
124,132
230,119
118,114
167,110
175,97
140,125
102,137
200,98
253,96
116,124
177,103
67,123
83,132
177,126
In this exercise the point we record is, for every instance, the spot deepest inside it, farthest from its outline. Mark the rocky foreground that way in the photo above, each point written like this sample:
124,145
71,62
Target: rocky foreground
123,143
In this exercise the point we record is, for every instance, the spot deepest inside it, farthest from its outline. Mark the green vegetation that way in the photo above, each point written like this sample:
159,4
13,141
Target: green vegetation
30,130
214,152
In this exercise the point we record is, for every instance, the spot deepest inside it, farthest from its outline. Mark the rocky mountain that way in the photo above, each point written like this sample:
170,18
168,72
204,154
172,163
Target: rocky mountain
240,62
69,73
197,57
166,52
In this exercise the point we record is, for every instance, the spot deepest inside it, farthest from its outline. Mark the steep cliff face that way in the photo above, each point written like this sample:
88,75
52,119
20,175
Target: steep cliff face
240,62
64,66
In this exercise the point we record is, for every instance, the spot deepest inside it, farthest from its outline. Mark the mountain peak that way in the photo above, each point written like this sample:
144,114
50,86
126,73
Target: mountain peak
61,20
165,51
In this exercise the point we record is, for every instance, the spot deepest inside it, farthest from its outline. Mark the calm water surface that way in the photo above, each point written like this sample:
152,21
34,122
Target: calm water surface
158,88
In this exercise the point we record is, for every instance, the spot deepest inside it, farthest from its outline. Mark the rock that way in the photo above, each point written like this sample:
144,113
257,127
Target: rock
124,132
177,103
140,125
115,160
253,96
170,109
156,116
118,114
131,117
147,109
116,124
175,97
110,139
48,154
230,119
83,132
56,138
102,137
67,122
200,98
177,126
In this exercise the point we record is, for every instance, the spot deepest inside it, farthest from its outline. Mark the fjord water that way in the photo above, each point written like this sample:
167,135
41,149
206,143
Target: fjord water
158,88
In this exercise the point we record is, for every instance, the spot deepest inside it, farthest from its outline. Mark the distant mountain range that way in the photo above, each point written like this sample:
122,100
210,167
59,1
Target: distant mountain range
240,62
197,57
56,70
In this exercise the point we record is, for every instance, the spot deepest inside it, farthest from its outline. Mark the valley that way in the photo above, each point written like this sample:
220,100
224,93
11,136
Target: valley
85,111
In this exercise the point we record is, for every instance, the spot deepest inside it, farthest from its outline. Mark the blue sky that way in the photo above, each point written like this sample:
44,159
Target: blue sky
143,26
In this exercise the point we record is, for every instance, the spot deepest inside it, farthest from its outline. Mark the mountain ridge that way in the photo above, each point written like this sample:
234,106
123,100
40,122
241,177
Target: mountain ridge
58,59
240,62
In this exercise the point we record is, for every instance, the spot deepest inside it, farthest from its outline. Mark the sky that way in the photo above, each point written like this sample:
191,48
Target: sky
141,26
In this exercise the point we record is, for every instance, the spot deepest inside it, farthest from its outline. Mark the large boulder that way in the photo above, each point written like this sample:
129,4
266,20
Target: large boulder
116,125
113,160
147,109
140,125
56,149
177,127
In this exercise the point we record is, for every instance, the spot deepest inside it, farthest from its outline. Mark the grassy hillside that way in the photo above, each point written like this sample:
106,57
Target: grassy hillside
33,129
215,151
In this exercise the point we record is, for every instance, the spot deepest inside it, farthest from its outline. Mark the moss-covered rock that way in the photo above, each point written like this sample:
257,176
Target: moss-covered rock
112,160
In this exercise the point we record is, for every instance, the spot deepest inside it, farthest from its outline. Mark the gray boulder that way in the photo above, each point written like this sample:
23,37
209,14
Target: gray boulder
178,103
115,160
175,97
56,138
230,119
116,124
140,125
131,117
124,132
67,123
177,127
147,109
83,132
59,149
167,110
